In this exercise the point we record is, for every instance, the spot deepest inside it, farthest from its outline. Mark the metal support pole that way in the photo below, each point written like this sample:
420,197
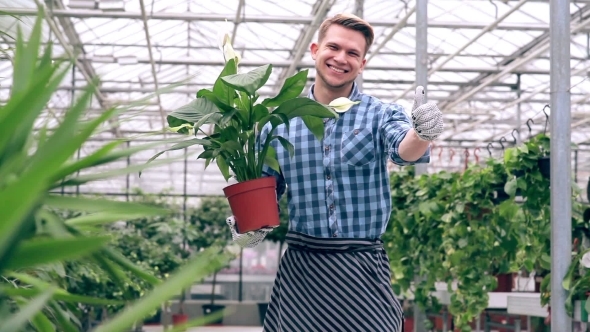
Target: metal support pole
422,55
421,79
360,12
576,166
561,205
518,111
517,327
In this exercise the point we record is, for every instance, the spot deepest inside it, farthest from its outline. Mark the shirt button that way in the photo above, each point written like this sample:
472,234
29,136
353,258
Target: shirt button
328,177
356,131
334,235
327,148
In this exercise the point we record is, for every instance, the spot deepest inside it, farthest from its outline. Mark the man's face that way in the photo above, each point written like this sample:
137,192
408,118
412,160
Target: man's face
339,57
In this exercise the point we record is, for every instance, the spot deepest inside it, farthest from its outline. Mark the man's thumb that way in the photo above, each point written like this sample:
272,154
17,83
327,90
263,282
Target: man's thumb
418,97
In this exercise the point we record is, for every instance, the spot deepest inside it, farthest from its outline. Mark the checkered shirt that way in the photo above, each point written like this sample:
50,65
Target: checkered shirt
339,187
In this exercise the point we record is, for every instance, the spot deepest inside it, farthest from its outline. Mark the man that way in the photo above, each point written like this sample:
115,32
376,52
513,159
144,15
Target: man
335,274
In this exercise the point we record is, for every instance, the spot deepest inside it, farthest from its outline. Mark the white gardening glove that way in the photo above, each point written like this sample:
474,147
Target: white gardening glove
427,118
250,239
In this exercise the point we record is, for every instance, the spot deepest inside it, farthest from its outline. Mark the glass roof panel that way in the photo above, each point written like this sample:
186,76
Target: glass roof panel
184,36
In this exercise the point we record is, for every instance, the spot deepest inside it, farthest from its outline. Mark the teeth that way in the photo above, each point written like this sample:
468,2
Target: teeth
337,70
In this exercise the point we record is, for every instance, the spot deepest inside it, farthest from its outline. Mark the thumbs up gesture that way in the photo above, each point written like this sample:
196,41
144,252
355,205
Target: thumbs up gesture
427,118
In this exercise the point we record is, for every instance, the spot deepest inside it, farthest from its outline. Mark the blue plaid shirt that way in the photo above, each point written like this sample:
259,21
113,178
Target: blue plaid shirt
339,187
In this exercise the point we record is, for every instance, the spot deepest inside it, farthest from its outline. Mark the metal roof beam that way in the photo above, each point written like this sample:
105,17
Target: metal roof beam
310,64
541,89
485,30
541,48
270,49
152,63
518,53
268,91
320,11
76,13
72,37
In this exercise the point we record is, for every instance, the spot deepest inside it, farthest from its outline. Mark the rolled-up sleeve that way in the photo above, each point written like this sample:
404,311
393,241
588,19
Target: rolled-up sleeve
267,170
393,127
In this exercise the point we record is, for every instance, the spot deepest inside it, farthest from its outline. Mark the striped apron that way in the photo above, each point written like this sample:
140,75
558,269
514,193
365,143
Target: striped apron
333,284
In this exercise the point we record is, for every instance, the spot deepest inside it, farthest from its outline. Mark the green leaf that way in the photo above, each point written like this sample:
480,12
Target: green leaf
82,179
529,265
225,94
287,145
18,321
280,119
510,187
25,62
315,125
232,147
194,112
223,167
42,323
211,96
101,205
60,295
292,88
43,251
447,217
102,218
182,145
271,159
197,268
125,263
63,319
260,112
249,82
462,243
302,106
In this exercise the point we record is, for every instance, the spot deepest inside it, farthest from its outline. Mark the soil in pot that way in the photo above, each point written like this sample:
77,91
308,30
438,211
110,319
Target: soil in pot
254,204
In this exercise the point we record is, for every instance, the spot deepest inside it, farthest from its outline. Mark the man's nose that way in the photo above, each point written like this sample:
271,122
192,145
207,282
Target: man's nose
340,56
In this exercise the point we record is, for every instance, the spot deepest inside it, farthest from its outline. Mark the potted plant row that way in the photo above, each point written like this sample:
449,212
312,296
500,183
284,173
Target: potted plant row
236,116
440,221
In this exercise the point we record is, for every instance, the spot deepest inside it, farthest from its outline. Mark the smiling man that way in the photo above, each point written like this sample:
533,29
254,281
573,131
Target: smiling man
335,274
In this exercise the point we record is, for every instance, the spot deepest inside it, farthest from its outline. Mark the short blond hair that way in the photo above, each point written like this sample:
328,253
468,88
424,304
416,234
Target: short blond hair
352,22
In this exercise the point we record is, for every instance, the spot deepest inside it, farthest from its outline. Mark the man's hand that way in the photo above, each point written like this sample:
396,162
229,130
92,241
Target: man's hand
250,239
427,118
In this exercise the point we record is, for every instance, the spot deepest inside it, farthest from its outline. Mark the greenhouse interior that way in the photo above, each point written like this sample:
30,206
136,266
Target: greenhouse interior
113,190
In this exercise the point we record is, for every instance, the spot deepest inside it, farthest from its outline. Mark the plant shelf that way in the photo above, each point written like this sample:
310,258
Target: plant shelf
526,305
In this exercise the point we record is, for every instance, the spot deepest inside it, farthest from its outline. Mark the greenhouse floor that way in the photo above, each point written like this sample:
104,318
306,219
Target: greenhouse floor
210,329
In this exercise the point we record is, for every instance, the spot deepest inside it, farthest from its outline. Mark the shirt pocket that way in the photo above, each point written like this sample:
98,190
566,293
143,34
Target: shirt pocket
357,147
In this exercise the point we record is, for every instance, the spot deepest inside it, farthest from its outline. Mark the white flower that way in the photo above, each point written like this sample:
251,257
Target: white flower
585,260
227,49
342,104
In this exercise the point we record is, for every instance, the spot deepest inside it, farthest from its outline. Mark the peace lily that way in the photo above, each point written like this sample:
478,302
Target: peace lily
342,104
226,47
585,260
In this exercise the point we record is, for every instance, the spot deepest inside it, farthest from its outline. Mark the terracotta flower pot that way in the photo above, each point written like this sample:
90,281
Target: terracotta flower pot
178,319
254,204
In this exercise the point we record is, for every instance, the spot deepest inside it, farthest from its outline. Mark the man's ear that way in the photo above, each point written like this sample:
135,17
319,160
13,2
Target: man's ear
314,50
362,67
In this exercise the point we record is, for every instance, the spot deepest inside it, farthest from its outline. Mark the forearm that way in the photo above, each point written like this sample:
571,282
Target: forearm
412,147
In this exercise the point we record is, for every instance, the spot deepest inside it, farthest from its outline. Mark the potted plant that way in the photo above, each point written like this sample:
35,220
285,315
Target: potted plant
237,117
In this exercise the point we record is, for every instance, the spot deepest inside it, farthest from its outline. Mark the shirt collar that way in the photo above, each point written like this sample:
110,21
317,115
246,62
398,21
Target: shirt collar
354,93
